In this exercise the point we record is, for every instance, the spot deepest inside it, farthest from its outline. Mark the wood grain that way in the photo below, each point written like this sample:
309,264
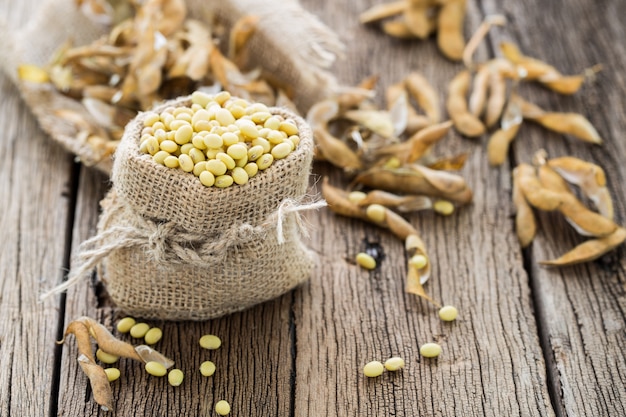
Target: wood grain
35,194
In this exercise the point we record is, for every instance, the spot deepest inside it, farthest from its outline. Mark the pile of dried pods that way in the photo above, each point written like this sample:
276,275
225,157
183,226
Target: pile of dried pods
544,186
420,19
154,52
388,152
86,328
485,97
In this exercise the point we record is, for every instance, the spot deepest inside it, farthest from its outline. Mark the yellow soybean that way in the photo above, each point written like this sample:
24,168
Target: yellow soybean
226,159
418,261
185,162
199,167
222,97
139,330
237,151
152,145
183,134
209,341
272,123
240,176
169,146
150,118
125,324
373,369
275,137
153,336
443,207
356,196
394,364
160,156
207,179
155,368
376,213
216,167
264,143
171,162
177,124
247,128
197,141
198,97
229,138
265,161
281,150
196,155
175,377
251,169
113,374
260,117
222,408
105,357
213,141
365,261
448,313
255,152
289,128
225,117
430,350
207,368
186,148
223,181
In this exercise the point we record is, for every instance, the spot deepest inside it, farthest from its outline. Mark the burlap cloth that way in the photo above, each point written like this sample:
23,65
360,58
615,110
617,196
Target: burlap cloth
170,248
290,43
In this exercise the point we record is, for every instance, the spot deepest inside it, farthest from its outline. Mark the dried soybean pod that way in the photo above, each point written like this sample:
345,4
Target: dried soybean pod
382,11
239,35
585,221
107,342
424,139
498,145
569,84
589,250
525,224
377,121
418,19
589,177
570,123
446,182
450,29
480,87
402,203
99,382
465,122
497,96
338,201
413,286
479,35
336,151
536,195
83,339
426,96
397,28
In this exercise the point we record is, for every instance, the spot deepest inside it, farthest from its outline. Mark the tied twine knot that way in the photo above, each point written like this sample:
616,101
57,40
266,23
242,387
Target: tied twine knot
165,242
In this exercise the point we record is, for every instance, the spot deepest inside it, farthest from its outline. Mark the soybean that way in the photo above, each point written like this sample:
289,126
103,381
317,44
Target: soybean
373,369
105,357
448,313
139,330
155,368
207,368
113,374
394,364
430,350
365,261
124,325
153,336
175,377
209,341
222,408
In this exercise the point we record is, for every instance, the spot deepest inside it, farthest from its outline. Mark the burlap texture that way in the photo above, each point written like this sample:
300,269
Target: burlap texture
186,251
290,44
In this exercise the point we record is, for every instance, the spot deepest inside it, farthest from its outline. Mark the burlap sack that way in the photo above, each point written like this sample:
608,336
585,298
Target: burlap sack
171,248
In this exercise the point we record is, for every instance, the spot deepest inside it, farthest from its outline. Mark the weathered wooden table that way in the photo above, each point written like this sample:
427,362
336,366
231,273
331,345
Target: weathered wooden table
529,341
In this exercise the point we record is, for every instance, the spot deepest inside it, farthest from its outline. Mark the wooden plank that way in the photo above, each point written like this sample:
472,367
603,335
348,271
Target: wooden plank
492,363
581,309
35,191
254,364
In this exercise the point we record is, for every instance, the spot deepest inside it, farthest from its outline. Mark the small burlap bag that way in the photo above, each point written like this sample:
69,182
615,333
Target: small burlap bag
171,248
